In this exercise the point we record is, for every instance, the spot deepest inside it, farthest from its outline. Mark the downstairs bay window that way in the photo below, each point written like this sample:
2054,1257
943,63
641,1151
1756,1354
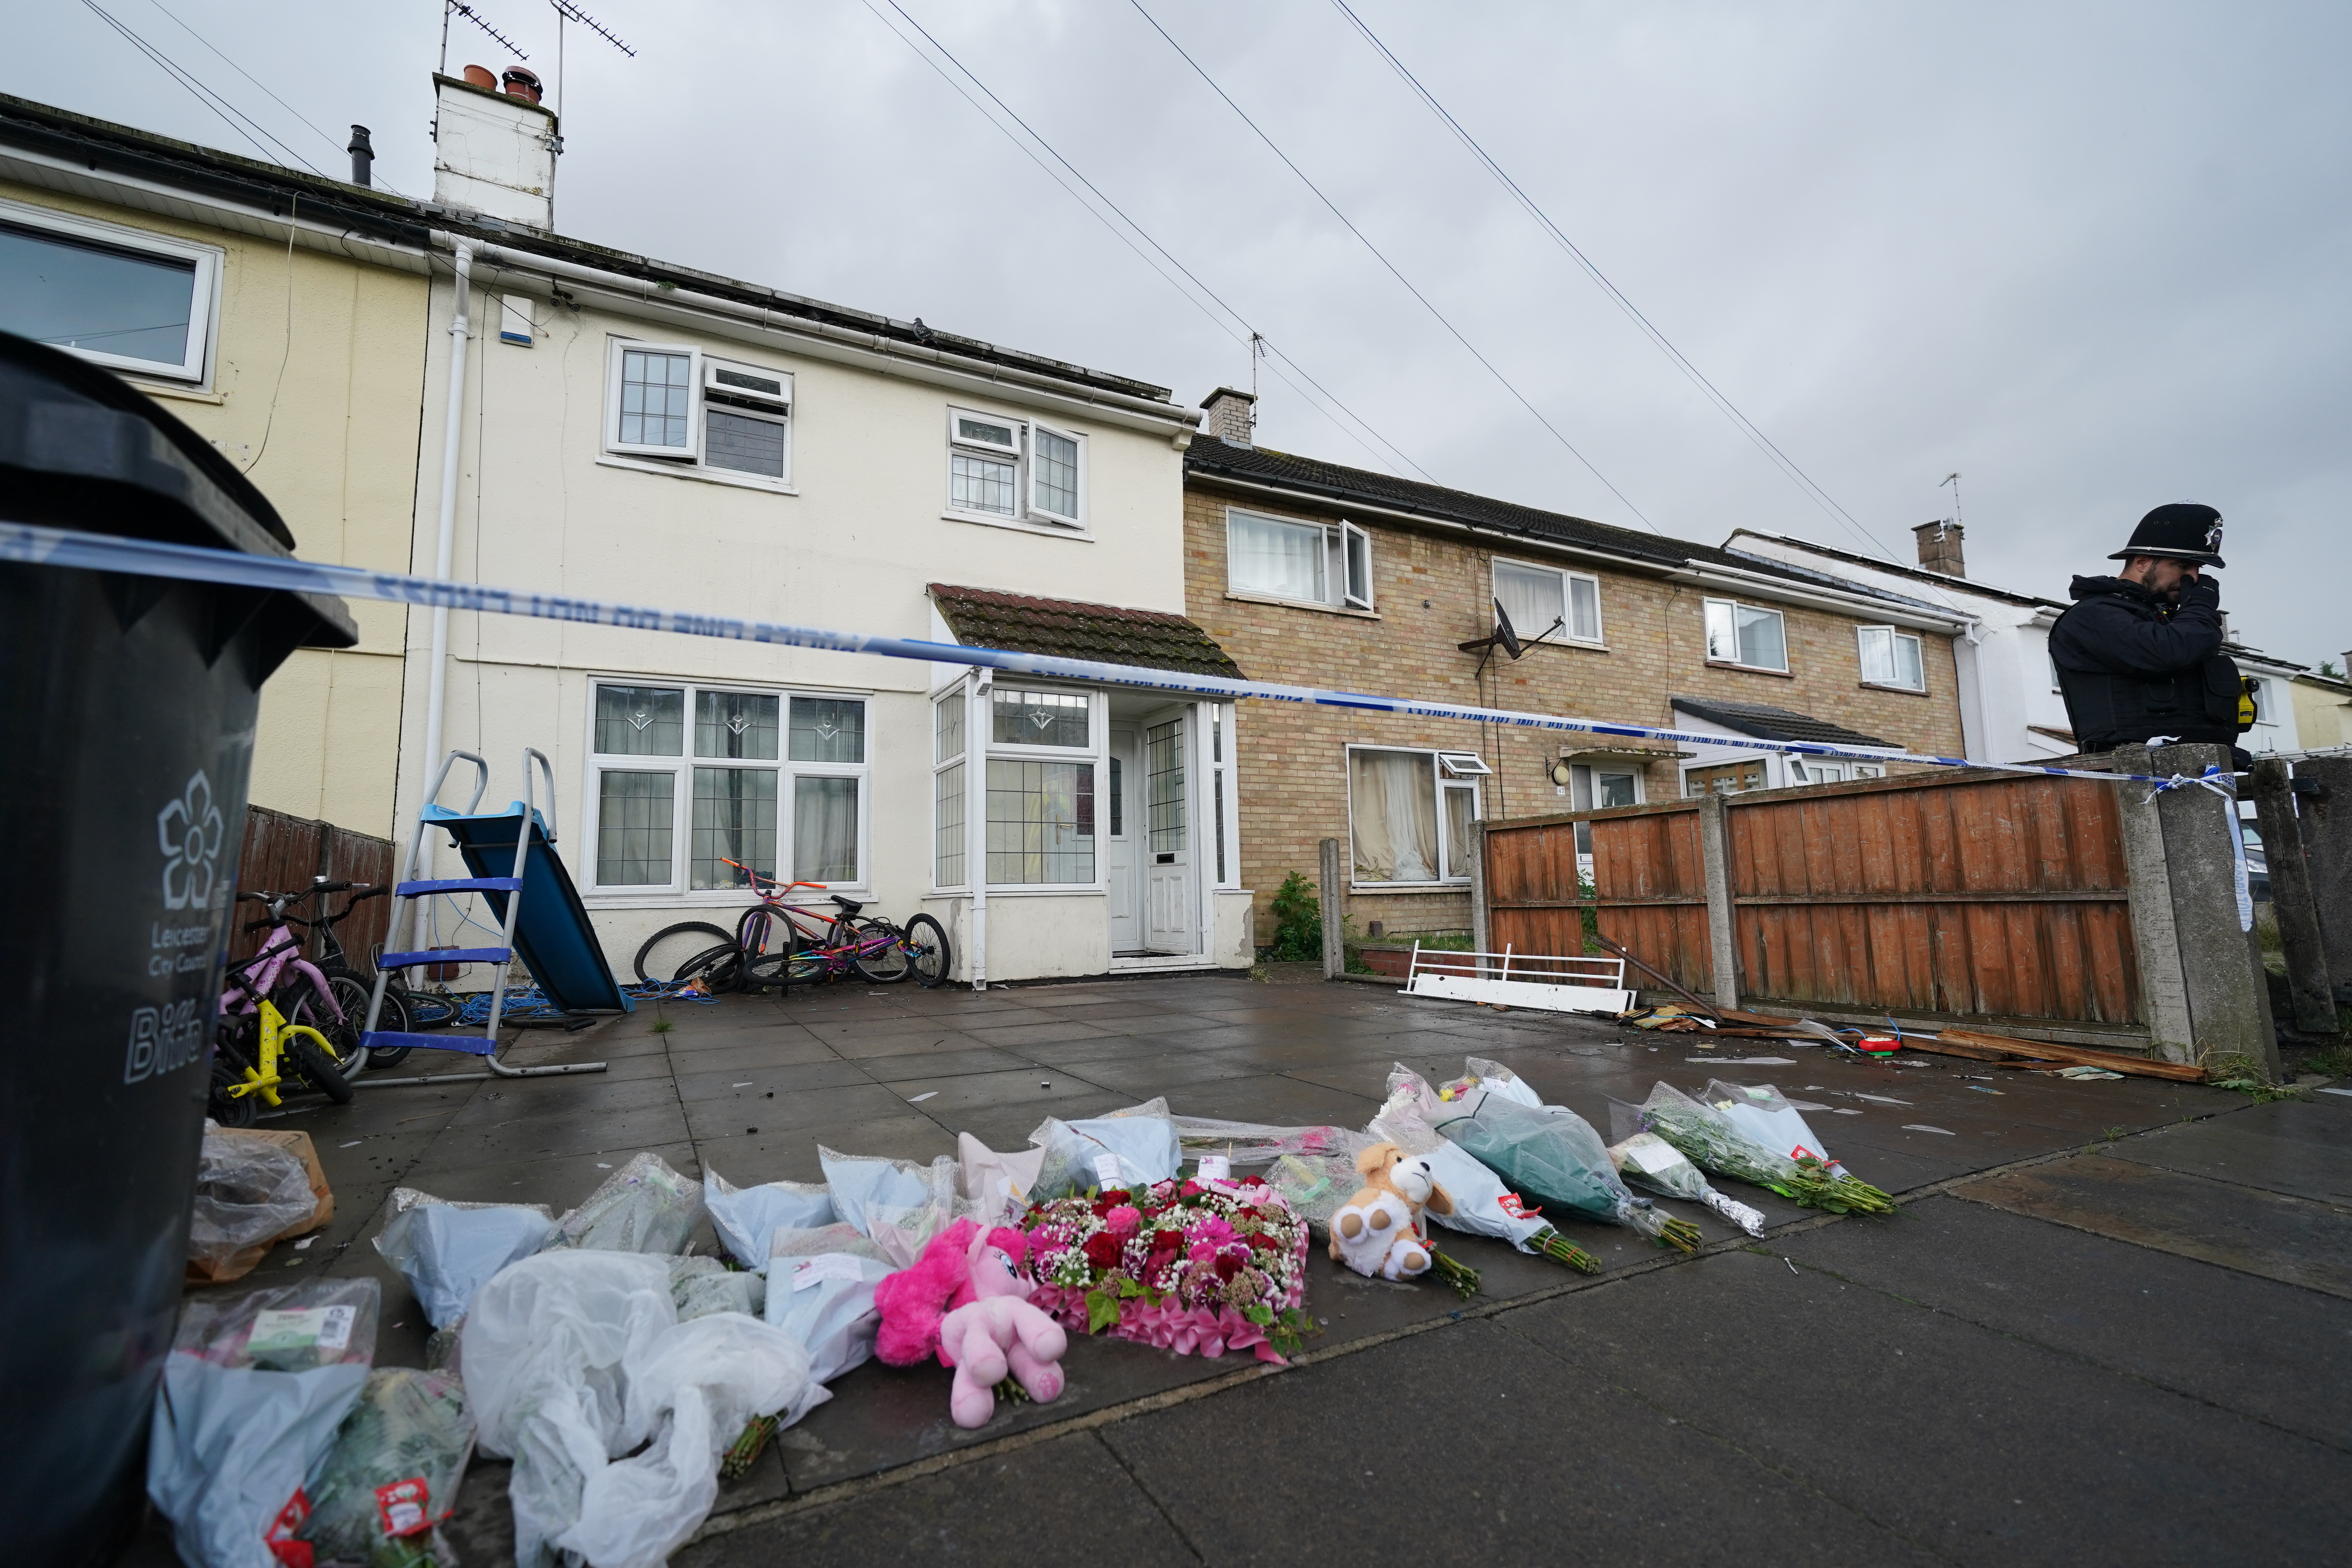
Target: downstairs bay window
1041,787
694,787
1408,815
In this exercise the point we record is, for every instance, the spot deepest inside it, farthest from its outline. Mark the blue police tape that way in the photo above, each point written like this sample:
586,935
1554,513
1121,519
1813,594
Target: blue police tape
38,545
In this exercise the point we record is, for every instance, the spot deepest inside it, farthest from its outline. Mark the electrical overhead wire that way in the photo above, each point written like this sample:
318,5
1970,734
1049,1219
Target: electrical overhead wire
1557,434
1805,483
229,113
1248,331
256,81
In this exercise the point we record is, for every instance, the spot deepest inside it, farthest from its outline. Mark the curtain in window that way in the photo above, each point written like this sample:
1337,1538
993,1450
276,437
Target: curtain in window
734,724
1584,608
734,819
634,812
1394,808
829,729
1461,807
1531,599
640,721
825,830
1284,559
1761,642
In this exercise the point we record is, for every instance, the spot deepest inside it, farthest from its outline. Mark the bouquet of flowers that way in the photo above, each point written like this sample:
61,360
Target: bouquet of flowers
1184,1266
1483,1206
1651,1162
1709,1139
1548,1153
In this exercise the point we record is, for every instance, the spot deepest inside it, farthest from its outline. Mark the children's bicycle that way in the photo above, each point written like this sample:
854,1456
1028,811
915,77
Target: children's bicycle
795,944
247,1068
783,944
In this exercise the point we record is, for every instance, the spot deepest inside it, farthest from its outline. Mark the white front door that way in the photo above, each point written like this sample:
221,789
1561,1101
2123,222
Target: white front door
1168,923
1121,790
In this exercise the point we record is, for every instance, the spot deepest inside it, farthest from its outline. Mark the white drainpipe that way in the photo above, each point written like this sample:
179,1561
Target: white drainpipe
444,545
975,833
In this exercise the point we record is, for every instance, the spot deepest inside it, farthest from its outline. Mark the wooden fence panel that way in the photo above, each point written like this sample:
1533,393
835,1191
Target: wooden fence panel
1985,894
283,853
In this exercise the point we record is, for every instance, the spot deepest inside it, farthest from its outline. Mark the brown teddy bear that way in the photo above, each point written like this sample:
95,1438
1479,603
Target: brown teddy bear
1378,1233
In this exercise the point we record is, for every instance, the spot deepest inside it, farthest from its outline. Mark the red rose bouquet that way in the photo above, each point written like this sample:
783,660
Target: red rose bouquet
1185,1266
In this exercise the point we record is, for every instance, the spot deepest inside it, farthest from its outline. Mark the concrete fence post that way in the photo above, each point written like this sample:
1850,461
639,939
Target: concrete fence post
2324,800
2163,989
1722,930
2291,899
1481,923
1335,914
2228,998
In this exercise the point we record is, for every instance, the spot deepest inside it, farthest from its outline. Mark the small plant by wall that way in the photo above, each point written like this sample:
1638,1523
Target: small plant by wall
1297,921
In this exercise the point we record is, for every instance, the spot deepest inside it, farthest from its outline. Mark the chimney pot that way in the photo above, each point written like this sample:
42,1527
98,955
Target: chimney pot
522,83
1232,415
1939,548
481,77
362,153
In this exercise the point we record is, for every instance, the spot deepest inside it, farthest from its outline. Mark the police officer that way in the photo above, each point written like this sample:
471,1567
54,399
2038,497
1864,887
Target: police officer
2139,654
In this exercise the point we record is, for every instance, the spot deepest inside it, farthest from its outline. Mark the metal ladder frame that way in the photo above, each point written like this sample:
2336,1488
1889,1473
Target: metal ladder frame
408,892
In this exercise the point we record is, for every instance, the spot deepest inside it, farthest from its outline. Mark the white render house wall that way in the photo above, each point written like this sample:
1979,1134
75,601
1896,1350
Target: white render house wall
847,536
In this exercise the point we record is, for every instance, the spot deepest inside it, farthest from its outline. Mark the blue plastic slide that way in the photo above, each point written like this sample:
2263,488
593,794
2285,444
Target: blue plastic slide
553,937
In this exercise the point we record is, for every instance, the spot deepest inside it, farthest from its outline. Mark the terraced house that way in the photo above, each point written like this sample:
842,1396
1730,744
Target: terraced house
1316,573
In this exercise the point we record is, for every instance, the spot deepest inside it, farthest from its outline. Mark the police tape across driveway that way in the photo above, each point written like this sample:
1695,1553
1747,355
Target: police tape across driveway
38,546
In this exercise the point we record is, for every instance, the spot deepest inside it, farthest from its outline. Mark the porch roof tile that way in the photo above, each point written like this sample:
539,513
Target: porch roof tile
1067,628
1769,723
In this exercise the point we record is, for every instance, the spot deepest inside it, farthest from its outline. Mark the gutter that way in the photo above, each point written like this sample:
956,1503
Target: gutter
1667,566
639,297
1759,583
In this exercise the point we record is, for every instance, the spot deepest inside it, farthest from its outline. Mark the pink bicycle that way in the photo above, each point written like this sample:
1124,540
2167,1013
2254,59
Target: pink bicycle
277,980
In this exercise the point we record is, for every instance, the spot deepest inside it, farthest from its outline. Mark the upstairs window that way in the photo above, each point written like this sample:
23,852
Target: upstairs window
1544,602
684,409
1890,658
1313,562
119,297
1018,470
1745,634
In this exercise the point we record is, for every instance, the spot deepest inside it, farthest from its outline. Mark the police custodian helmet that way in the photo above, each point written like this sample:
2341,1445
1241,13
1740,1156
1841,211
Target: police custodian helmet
2183,529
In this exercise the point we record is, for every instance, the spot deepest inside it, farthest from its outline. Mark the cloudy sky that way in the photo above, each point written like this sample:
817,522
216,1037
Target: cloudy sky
2093,257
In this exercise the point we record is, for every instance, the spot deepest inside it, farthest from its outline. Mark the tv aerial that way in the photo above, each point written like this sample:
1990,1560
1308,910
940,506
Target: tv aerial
458,8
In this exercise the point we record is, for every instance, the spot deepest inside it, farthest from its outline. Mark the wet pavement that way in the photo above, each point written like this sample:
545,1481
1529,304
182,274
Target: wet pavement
2113,1319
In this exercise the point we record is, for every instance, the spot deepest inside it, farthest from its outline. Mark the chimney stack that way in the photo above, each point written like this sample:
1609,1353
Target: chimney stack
494,151
1939,548
362,153
1232,416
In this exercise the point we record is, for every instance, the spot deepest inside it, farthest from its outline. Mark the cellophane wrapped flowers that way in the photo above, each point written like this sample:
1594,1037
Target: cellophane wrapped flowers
1198,1269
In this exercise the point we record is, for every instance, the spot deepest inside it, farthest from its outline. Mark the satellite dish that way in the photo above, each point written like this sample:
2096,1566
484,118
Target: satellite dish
1504,633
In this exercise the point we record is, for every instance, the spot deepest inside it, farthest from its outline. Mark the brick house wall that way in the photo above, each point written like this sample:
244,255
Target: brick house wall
1431,592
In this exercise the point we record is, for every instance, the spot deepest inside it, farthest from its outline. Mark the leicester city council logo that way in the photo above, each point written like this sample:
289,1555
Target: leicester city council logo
188,831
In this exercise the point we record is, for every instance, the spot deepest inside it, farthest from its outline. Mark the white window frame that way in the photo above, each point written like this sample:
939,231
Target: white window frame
681,767
195,366
689,453
1567,632
1735,606
1895,635
1027,512
693,462
1095,753
1336,562
1450,876
960,693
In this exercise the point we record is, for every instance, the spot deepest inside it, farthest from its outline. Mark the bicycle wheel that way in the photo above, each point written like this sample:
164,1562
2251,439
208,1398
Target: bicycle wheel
659,960
324,1073
427,1009
928,957
230,1110
396,1019
717,967
885,965
351,996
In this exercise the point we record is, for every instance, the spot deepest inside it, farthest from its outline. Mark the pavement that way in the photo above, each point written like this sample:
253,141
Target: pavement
2112,1321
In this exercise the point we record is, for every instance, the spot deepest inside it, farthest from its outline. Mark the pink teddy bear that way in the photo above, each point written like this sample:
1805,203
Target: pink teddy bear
966,1301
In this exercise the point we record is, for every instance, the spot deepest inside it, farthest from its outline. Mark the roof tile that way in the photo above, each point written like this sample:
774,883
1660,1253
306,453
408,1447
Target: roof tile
1767,723
1067,628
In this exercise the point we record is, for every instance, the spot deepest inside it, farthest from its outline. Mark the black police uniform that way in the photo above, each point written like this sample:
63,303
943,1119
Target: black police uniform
2132,666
